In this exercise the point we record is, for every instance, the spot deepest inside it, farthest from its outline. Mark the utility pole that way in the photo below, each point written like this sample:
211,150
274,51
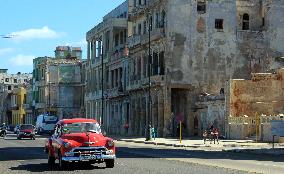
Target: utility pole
48,97
102,78
148,126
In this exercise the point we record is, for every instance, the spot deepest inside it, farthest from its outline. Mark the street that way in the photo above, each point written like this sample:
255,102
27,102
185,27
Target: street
27,156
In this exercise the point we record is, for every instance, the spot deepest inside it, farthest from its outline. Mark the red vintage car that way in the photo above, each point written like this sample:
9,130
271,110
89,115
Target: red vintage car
79,140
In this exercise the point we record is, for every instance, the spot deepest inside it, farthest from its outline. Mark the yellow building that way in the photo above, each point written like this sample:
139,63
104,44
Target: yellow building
18,101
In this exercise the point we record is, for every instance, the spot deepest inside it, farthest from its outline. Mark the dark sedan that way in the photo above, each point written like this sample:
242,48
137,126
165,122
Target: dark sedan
26,131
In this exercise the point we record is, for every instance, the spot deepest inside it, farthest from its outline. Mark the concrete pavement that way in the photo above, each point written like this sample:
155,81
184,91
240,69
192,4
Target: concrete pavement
238,146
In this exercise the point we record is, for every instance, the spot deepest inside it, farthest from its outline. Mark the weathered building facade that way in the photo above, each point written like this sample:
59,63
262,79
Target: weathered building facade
190,49
195,47
106,70
9,84
57,83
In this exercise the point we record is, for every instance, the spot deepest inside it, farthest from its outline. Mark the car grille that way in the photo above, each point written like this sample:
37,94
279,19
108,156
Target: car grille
89,151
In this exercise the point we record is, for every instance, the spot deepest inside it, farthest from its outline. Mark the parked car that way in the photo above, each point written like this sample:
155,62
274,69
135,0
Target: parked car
45,124
16,129
79,140
26,131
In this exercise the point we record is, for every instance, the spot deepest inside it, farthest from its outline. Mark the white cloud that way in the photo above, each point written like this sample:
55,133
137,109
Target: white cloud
80,43
34,33
22,60
4,51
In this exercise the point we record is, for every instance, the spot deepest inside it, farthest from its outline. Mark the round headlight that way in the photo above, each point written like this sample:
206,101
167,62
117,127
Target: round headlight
110,143
66,145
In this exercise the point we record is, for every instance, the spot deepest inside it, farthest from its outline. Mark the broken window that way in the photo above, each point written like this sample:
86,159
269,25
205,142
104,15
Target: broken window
201,7
219,24
245,22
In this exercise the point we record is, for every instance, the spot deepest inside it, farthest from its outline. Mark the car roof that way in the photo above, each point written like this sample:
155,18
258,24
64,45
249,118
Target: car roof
76,120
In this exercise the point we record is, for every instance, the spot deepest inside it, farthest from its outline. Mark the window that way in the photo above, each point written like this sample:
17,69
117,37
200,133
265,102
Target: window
9,87
134,30
263,21
121,37
144,27
116,39
201,7
163,19
140,2
7,80
219,24
15,80
157,20
245,22
134,1
139,29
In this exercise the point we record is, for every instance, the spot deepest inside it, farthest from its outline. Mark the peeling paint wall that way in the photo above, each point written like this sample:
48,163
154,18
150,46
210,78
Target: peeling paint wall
262,94
201,54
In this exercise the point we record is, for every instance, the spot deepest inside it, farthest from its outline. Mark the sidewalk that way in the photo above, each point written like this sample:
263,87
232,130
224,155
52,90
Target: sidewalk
239,146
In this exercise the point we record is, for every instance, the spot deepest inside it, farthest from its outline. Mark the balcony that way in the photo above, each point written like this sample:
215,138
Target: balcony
134,41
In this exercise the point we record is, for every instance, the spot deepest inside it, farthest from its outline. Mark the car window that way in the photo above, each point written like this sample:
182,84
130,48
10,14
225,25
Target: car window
81,127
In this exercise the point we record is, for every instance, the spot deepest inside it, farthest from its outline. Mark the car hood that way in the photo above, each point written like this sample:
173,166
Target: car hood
85,139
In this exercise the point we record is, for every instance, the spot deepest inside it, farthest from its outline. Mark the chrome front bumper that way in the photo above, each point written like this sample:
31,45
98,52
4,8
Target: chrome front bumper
102,157
88,154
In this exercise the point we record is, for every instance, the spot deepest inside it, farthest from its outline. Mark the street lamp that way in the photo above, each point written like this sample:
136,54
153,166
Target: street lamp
148,126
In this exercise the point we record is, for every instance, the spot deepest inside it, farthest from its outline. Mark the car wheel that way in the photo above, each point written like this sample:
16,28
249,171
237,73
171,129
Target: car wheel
62,164
50,160
109,163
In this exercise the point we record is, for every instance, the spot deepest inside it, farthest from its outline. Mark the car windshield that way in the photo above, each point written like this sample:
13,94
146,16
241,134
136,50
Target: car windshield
81,127
26,127
50,119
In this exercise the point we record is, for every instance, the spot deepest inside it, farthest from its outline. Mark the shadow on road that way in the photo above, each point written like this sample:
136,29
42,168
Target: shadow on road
43,167
140,152
21,153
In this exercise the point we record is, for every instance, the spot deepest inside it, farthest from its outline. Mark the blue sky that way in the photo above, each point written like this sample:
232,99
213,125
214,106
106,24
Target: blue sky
38,26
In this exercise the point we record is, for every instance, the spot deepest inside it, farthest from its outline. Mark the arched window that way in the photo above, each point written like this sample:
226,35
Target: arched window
245,22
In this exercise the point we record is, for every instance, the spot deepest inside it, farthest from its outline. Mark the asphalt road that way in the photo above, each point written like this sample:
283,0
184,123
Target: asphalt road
27,156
